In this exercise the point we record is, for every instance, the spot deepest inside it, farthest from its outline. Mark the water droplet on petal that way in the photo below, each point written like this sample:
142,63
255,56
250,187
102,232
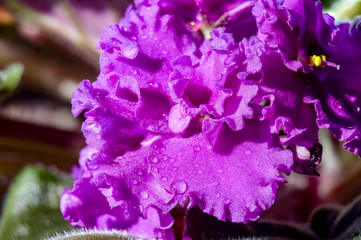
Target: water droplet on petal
92,166
196,148
126,214
226,201
217,195
154,159
154,169
154,84
220,170
165,157
178,186
199,171
144,194
134,181
337,104
248,152
215,183
138,172
358,109
164,179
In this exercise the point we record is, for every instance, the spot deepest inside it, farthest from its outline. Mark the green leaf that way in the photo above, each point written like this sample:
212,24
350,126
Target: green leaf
94,235
10,77
31,210
356,237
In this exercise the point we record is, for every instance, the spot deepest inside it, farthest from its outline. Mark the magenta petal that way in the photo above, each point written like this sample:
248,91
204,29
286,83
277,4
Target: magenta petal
120,40
88,206
83,98
180,116
236,181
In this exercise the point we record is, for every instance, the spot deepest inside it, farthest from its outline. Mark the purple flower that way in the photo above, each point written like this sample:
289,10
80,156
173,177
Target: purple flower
175,118
307,63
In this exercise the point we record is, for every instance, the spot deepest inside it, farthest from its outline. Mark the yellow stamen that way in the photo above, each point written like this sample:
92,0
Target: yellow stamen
318,61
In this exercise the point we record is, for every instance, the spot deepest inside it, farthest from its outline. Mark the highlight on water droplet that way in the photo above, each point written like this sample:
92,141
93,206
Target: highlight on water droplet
153,159
126,214
144,194
134,181
337,104
226,201
178,186
138,172
154,169
164,179
196,148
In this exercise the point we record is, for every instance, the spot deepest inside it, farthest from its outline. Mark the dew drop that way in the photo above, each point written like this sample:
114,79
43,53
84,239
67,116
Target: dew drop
141,208
248,152
134,181
358,109
217,195
126,214
92,166
226,201
138,172
337,104
154,84
164,179
154,169
144,194
154,159
200,172
220,170
164,53
165,157
215,183
196,148
178,186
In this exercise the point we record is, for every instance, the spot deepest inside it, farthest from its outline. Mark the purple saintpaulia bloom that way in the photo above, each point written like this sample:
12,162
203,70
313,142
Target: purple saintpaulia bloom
180,114
310,64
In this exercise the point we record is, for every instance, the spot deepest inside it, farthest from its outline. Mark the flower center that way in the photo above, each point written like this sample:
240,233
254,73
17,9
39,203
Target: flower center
320,61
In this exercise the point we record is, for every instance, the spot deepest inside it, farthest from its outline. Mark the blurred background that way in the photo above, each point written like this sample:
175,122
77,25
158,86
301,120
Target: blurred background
47,47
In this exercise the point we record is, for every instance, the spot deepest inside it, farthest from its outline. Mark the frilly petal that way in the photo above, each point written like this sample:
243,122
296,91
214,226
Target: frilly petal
84,98
88,206
121,40
236,181
282,91
111,133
